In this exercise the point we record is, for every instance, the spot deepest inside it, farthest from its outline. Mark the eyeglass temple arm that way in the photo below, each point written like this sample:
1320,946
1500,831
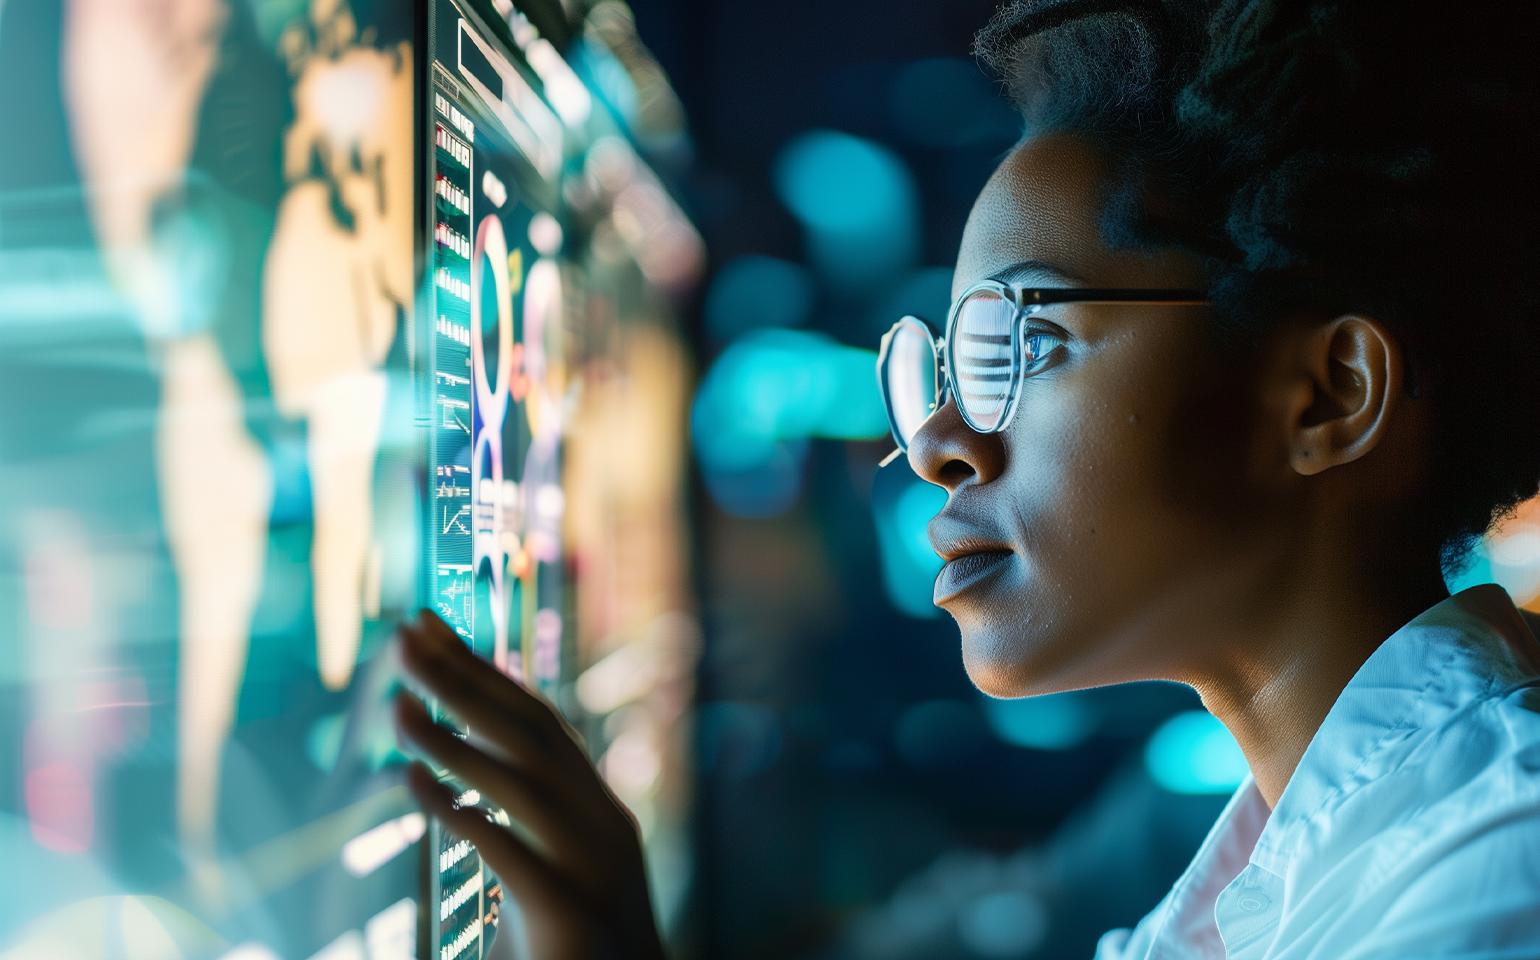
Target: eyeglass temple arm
1039,295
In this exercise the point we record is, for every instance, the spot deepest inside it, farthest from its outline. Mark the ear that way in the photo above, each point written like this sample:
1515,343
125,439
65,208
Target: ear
1353,371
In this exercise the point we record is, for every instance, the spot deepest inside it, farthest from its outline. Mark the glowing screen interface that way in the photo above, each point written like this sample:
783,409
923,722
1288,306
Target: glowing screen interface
246,432
493,395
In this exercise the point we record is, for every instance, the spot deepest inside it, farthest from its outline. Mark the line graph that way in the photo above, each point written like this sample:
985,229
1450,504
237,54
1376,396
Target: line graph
456,523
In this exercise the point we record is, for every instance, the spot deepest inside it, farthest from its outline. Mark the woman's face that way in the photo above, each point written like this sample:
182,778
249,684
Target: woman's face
1089,541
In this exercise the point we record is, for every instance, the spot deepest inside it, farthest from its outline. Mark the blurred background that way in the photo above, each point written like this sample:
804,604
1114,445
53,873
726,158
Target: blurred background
559,318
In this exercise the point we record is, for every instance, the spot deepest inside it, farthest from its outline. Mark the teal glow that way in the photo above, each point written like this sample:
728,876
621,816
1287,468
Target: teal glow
903,506
1057,721
784,385
917,506
1003,925
1477,570
857,201
323,744
1193,753
595,63
766,395
835,182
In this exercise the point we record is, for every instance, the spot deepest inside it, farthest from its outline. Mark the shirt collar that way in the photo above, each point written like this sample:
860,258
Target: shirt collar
1453,653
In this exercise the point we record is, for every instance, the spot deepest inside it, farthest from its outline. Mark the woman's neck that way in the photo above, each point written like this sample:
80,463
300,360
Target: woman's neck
1300,644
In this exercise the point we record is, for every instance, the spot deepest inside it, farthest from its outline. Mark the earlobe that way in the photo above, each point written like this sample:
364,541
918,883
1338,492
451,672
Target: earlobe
1354,368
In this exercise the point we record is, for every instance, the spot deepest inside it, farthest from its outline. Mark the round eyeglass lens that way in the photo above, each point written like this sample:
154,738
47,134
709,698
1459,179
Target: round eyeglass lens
983,357
909,378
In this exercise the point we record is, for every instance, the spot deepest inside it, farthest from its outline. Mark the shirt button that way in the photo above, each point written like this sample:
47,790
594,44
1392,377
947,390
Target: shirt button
1252,901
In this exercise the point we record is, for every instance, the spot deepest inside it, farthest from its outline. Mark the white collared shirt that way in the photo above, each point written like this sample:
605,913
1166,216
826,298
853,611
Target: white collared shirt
1411,827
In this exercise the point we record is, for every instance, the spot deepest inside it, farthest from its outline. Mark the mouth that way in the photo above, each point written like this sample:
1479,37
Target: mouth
967,570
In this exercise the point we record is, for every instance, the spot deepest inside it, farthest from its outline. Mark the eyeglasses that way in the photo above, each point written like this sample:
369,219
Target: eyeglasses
987,350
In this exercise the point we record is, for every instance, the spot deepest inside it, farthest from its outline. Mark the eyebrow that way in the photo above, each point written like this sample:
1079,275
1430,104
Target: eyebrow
1038,272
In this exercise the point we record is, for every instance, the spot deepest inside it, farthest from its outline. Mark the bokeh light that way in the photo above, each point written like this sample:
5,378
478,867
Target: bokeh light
857,202
766,395
753,292
1003,924
903,505
1509,556
1057,721
1193,753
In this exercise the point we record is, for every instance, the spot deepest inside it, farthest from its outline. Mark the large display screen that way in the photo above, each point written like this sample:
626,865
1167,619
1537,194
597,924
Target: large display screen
495,390
295,301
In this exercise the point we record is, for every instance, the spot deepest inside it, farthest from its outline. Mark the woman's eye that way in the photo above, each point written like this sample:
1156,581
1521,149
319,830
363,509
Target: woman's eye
1038,348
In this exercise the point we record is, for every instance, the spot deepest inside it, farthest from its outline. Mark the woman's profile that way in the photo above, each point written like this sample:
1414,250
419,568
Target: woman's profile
1241,360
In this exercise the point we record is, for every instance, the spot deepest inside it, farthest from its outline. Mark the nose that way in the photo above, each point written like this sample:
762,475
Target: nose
949,453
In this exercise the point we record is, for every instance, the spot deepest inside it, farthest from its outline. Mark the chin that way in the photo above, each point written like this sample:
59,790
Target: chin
999,661
1016,656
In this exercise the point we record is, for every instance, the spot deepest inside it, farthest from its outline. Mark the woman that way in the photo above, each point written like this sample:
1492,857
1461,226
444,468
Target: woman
1241,361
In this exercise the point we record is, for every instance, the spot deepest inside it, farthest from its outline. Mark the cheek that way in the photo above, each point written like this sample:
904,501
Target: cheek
1082,526
1120,486
1087,467
1215,457
1148,447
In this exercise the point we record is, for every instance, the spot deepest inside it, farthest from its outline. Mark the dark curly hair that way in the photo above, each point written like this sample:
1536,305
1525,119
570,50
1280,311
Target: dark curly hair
1377,156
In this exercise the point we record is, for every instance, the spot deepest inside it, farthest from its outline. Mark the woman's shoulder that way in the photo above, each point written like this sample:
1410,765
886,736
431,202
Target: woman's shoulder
1437,855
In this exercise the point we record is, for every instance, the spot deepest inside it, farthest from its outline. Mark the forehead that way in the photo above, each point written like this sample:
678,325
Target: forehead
1043,206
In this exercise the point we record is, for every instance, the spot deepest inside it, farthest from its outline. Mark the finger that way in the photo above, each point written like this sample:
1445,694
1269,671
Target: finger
430,635
439,635
529,734
453,673
548,824
481,696
527,877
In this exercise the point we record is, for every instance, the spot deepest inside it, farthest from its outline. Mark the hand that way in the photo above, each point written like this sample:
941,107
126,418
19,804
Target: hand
571,857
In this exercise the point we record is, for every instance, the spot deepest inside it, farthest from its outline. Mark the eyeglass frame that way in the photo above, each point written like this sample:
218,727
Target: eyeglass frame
1026,301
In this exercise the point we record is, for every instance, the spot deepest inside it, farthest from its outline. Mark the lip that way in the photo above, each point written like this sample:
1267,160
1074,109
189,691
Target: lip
967,570
969,543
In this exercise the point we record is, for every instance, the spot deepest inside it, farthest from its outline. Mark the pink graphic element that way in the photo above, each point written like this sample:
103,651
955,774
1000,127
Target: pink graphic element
59,807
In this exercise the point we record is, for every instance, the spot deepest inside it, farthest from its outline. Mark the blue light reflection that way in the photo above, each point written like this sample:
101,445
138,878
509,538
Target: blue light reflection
1057,721
858,203
1193,753
766,395
903,506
